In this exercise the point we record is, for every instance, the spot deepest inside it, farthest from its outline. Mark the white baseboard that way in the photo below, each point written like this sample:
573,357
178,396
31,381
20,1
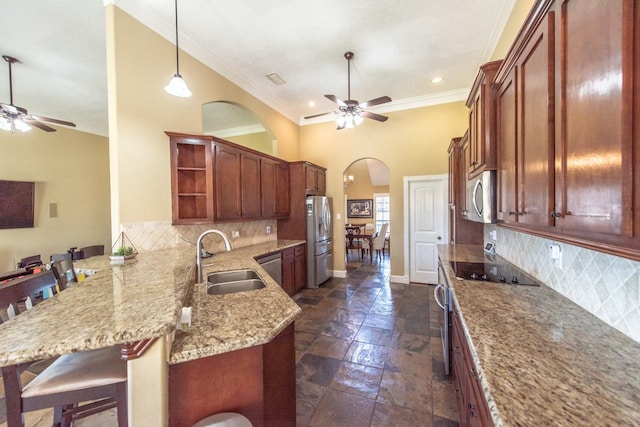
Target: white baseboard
399,279
339,273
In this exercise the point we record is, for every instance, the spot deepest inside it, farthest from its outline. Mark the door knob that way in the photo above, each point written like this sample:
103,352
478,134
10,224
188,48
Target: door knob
439,237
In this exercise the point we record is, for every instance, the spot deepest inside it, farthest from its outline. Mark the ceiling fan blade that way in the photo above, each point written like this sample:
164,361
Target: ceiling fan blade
376,101
336,100
39,125
318,115
50,120
374,116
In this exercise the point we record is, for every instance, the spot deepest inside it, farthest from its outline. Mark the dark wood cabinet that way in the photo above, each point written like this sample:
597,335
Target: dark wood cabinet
567,110
315,180
250,186
228,193
473,409
295,226
461,230
294,269
191,180
258,382
274,188
217,180
525,155
482,122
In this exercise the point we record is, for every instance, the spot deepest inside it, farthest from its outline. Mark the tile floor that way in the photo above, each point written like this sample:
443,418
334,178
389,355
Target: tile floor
367,354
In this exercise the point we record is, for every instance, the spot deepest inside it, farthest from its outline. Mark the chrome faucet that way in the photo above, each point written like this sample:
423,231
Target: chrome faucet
227,246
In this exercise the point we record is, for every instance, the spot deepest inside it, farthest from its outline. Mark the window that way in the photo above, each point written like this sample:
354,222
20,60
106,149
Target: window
381,201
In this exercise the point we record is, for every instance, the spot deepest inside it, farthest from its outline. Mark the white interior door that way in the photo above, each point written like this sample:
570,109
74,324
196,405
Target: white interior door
427,227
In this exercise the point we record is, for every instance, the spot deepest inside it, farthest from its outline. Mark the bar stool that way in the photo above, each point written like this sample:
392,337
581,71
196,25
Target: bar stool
224,419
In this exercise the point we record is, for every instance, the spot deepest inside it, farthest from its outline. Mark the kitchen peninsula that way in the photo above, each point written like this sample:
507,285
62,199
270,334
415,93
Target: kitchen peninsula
139,302
541,359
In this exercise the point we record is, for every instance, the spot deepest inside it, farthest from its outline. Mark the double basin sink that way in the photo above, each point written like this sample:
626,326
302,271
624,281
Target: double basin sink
231,282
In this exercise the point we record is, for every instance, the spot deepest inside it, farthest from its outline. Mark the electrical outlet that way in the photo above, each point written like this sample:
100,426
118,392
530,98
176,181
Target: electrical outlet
268,230
494,235
235,234
555,253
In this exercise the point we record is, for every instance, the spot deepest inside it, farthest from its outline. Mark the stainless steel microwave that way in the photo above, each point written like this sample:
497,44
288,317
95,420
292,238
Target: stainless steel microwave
481,198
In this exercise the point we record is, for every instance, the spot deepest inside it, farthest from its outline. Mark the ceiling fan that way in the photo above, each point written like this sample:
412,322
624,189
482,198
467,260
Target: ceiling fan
350,112
13,117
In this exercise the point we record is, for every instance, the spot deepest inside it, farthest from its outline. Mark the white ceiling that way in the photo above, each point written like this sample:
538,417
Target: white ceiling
399,47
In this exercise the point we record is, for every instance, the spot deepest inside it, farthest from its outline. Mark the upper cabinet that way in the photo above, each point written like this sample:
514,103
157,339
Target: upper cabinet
216,180
461,230
315,180
191,180
566,112
482,121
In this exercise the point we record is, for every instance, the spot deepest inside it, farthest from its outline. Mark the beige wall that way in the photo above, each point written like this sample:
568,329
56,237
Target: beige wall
412,142
516,19
71,169
139,65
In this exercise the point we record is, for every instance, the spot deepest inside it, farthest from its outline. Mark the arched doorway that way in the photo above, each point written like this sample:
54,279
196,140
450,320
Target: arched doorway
366,209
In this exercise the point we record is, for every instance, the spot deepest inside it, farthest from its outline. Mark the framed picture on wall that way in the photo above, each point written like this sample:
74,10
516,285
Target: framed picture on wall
360,208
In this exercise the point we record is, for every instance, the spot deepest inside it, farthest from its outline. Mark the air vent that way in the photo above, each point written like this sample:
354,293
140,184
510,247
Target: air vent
276,79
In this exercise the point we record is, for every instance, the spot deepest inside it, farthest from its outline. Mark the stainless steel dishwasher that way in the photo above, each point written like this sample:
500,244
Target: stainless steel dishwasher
272,265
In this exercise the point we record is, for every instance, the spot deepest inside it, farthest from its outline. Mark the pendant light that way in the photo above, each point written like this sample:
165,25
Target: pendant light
177,86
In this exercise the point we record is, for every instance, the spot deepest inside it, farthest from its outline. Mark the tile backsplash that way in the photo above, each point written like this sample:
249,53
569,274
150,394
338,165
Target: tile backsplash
605,285
153,235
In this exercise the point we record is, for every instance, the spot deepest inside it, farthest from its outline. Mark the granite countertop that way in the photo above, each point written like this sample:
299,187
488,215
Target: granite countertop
223,323
542,359
142,299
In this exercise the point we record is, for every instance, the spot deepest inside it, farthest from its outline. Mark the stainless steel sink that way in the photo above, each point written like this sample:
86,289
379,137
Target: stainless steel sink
230,282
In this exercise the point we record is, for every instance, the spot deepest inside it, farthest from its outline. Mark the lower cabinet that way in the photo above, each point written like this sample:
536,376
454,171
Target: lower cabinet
472,407
294,272
258,382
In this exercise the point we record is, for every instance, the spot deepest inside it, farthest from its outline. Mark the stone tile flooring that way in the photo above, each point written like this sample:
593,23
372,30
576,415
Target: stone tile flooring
367,354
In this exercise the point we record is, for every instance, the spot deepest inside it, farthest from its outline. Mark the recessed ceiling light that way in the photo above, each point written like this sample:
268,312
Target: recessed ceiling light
436,80
311,103
276,79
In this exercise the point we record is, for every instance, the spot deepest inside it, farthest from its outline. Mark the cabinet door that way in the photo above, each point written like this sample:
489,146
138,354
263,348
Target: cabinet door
594,134
536,134
268,187
282,190
300,268
288,271
321,182
228,202
506,106
250,185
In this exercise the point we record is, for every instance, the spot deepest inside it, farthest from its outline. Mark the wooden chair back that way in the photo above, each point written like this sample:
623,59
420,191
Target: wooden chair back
64,272
14,293
89,251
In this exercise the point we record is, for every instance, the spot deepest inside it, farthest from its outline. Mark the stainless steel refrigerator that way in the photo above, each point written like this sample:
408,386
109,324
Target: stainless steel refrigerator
319,241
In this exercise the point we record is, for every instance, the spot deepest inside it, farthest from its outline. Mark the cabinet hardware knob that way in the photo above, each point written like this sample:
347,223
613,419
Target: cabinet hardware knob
439,237
473,413
512,213
555,215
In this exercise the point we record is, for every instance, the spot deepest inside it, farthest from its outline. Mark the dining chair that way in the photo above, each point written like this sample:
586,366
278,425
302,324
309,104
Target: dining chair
30,262
377,242
64,272
95,376
58,257
352,243
89,251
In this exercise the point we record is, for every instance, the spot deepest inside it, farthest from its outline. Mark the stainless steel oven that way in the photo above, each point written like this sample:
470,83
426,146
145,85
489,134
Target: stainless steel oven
443,297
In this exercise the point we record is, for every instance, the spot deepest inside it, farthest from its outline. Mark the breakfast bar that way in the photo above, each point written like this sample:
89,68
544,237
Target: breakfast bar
137,304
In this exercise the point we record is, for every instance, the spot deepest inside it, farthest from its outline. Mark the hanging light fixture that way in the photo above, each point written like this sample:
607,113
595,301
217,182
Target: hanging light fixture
177,86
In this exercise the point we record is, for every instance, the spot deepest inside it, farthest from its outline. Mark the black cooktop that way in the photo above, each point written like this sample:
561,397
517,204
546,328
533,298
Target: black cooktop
497,272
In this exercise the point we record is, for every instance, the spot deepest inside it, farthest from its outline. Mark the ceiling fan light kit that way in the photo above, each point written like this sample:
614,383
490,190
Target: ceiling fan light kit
350,113
14,118
177,86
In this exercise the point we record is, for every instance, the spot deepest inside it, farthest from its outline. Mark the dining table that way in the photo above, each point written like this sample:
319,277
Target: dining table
353,231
